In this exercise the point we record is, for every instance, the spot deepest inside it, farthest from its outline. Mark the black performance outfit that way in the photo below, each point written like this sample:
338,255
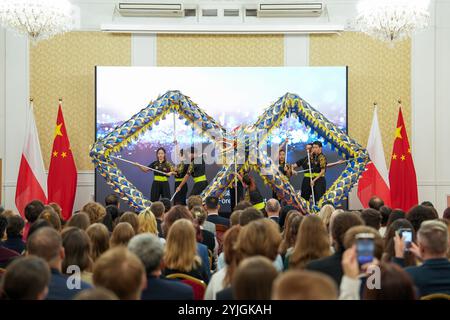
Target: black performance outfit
160,185
306,182
180,197
319,163
281,168
198,173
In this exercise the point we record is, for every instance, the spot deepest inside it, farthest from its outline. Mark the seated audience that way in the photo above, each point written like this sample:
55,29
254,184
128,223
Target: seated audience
112,200
32,212
99,236
112,217
248,215
121,272
395,215
212,207
332,265
372,218
26,278
433,276
273,210
194,201
283,214
199,211
304,285
385,213
79,220
132,219
446,214
350,239
253,279
14,234
57,208
312,243
39,223
6,255
167,204
158,209
376,203
389,243
95,211
77,250
419,214
208,238
325,214
150,251
51,216
288,242
221,279
47,244
147,222
121,235
180,254
97,294
234,217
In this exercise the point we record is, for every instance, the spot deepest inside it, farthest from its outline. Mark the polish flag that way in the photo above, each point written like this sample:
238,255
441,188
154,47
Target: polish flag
32,181
375,180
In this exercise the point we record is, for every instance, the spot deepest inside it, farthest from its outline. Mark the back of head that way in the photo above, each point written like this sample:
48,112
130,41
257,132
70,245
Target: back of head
194,201
26,278
376,203
253,279
341,223
325,214
176,213
45,243
3,226
99,235
199,214
158,209
372,218
149,249
284,212
350,239
211,203
79,220
433,238
15,227
51,216
95,211
181,247
273,206
77,249
147,222
167,204
234,217
33,210
242,205
248,215
122,234
260,237
96,294
112,200
446,214
419,214
385,213
395,215
120,271
38,224
427,204
395,284
132,219
113,211
304,285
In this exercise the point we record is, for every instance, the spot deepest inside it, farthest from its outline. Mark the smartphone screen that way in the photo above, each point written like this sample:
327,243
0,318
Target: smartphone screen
365,248
407,237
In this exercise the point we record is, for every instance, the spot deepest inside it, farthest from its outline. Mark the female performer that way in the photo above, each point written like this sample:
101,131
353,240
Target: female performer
197,169
160,185
181,170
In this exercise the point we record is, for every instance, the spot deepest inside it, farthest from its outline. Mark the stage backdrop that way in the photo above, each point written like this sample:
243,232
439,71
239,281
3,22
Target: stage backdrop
233,96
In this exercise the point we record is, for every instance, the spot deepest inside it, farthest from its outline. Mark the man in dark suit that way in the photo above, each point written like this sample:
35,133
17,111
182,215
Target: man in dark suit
273,210
150,251
46,243
433,276
332,265
212,207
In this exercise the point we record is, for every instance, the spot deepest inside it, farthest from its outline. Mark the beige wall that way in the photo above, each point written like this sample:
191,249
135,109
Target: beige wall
64,67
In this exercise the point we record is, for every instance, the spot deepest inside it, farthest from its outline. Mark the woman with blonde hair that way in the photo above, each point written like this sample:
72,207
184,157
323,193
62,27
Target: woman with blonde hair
325,214
121,235
312,243
95,211
180,254
99,235
147,222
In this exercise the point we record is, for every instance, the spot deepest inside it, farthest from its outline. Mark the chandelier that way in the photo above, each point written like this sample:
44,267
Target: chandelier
392,20
38,19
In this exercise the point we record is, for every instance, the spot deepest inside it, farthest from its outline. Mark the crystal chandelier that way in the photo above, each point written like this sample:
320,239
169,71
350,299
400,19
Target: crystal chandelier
392,20
38,19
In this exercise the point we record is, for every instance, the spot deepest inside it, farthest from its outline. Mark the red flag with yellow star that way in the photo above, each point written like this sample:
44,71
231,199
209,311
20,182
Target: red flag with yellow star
62,174
402,174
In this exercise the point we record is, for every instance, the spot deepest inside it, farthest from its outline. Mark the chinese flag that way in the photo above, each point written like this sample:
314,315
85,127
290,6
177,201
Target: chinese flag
402,175
62,174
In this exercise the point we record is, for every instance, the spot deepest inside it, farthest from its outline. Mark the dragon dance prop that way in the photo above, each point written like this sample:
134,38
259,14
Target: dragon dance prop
258,160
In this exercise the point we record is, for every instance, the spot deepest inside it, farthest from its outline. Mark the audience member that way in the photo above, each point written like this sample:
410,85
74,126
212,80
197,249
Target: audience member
312,243
234,217
39,223
112,200
99,236
350,239
253,279
121,272
79,220
304,285
26,278
132,219
208,238
6,255
372,218
395,215
288,242
325,214
97,294
95,211
113,215
446,214
419,214
385,213
158,210
248,215
51,216
14,233
283,214
242,205
212,207
376,203
77,250
273,209
150,251
121,235
194,201
47,244
167,204
147,222
32,212
389,243
199,211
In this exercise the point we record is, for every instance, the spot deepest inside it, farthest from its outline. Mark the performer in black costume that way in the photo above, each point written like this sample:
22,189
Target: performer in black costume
181,169
303,163
160,185
197,169
318,166
283,167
